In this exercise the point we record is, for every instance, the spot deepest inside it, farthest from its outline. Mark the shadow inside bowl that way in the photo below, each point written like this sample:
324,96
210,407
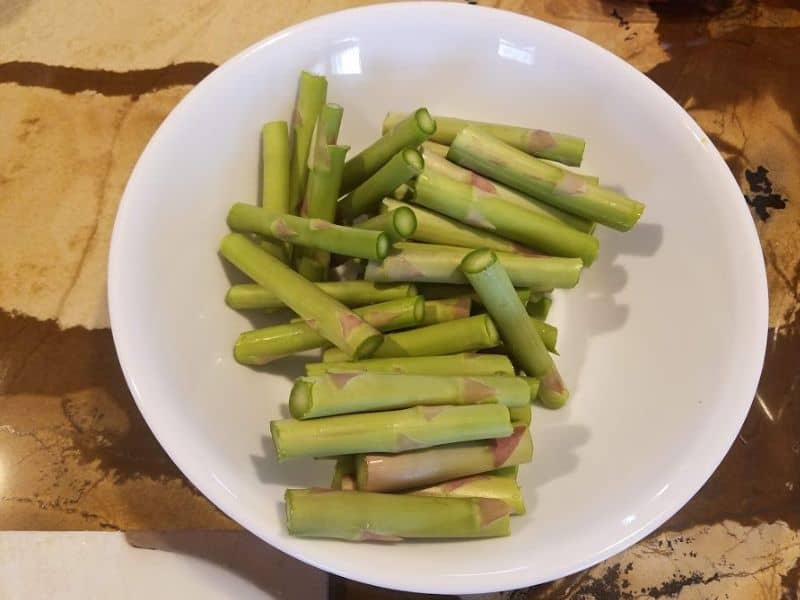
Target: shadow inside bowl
301,472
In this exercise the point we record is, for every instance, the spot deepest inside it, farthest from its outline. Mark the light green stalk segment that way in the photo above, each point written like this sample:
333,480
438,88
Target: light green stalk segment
435,228
534,384
402,192
326,134
275,157
399,223
363,516
344,393
272,247
451,337
312,233
431,263
331,319
560,147
439,164
451,364
429,147
409,133
389,431
480,486
501,472
409,470
517,329
446,309
366,198
437,291
539,307
344,473
349,293
476,150
311,92
260,346
319,202
472,206
520,415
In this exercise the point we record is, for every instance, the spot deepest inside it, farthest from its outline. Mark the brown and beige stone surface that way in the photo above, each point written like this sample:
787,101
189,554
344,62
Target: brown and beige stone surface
83,87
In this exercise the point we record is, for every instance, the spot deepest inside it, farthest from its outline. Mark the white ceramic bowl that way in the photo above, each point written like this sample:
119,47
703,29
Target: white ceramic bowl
662,342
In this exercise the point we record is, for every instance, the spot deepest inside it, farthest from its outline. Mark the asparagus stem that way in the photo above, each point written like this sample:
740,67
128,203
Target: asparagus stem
446,309
349,293
560,147
275,167
486,211
363,516
366,197
344,393
389,473
319,202
402,192
487,155
437,291
399,223
331,319
326,133
409,133
437,229
260,346
430,263
428,147
389,431
451,337
272,247
480,486
510,472
497,293
312,233
311,92
517,329
439,164
451,364
533,384
540,307
520,415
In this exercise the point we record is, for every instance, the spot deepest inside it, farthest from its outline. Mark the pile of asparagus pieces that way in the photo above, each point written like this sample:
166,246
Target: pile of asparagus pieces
421,267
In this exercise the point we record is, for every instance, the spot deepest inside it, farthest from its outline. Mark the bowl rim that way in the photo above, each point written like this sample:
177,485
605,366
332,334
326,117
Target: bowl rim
448,584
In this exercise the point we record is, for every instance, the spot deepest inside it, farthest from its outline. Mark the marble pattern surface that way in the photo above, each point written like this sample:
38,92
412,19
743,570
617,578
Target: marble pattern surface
83,87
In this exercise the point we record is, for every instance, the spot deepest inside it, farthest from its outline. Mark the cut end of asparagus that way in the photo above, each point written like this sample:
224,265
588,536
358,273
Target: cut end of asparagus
419,309
491,330
414,159
425,121
300,397
368,347
405,221
478,260
382,246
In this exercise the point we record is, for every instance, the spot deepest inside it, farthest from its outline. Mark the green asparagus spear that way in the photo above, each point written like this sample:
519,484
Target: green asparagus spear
451,364
275,167
437,291
366,198
389,431
431,263
446,309
534,384
479,486
487,155
390,473
311,93
363,516
439,164
319,202
451,337
326,134
260,346
312,233
560,147
519,334
272,247
349,293
331,319
539,307
552,391
429,147
398,223
409,133
434,228
486,211
344,393
520,415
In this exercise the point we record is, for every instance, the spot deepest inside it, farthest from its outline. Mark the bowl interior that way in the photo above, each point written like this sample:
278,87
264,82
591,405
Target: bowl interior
661,343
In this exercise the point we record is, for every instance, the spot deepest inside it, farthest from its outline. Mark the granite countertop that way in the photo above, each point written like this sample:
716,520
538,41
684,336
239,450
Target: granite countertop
83,87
